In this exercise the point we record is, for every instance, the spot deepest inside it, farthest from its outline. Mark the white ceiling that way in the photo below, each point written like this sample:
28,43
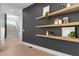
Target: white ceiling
17,5
14,8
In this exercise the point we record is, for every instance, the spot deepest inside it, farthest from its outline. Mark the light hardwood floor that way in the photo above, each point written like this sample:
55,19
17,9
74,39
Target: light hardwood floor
14,47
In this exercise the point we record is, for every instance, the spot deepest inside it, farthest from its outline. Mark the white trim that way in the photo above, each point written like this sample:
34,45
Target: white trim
47,50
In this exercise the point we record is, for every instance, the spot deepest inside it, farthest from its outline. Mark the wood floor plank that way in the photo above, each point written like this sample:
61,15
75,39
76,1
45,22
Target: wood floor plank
16,48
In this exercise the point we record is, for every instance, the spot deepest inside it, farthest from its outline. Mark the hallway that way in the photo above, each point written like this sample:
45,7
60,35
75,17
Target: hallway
12,32
14,47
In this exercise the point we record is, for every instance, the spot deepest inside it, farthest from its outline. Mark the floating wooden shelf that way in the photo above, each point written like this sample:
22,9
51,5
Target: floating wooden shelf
62,11
60,25
59,38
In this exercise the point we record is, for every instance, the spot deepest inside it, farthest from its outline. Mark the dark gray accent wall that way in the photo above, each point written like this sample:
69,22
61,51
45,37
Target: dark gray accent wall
29,23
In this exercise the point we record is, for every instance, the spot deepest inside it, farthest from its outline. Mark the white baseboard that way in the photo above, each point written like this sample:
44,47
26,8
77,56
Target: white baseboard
47,50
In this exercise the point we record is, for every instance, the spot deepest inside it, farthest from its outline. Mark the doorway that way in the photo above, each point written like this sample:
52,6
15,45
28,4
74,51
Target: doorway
12,29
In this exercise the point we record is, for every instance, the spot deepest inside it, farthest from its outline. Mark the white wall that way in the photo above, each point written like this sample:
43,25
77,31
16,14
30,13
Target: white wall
2,18
16,12
19,21
2,29
15,9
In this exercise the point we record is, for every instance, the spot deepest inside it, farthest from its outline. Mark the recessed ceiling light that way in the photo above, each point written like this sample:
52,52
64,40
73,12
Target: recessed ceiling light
11,10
